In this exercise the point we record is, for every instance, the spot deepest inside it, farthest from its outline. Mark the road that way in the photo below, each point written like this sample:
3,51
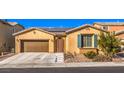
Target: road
64,70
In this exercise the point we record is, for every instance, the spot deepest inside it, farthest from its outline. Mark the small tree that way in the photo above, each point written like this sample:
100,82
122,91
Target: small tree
109,44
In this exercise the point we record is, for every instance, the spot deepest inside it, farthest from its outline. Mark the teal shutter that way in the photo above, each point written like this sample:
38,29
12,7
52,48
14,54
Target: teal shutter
79,41
95,41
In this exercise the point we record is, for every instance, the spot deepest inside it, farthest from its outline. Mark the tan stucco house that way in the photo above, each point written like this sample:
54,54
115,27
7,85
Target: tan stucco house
74,40
6,38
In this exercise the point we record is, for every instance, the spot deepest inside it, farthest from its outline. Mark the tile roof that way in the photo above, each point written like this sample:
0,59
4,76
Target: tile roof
51,30
13,23
119,32
5,22
55,29
82,27
33,28
58,31
109,23
10,23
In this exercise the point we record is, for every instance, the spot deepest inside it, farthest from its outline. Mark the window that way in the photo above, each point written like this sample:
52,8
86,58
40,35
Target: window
87,40
105,27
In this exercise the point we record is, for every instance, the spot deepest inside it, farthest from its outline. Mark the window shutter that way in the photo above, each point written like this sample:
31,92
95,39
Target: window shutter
79,41
95,41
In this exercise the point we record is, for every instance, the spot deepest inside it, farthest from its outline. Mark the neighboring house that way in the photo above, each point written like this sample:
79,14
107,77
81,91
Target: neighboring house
110,26
16,26
74,40
6,38
116,28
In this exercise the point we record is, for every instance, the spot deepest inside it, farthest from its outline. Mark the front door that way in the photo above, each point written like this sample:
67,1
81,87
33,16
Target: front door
60,45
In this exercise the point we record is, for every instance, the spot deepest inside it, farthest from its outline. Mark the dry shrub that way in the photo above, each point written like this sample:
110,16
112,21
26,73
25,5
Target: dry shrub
101,58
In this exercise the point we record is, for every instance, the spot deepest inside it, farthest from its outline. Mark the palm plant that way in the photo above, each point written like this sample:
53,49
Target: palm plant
109,44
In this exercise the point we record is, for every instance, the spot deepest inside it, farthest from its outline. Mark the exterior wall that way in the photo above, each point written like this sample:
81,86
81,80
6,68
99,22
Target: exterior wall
72,42
98,26
6,36
15,28
121,36
115,28
34,35
111,28
64,38
85,50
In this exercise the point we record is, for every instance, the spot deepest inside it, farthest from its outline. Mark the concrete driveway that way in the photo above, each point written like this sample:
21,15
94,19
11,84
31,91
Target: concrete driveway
33,58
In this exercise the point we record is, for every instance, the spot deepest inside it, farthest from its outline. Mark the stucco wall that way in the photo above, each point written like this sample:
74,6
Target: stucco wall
6,36
120,36
34,35
71,40
111,28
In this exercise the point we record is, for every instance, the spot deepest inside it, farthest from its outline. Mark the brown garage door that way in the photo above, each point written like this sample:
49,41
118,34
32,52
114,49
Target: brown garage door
34,46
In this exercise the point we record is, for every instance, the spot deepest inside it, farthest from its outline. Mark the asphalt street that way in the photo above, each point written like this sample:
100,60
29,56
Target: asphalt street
64,70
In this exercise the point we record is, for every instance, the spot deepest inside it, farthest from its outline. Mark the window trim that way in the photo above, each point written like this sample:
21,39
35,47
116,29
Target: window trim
92,35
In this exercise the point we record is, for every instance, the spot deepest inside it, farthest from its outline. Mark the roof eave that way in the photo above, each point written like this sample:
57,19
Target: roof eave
18,33
81,27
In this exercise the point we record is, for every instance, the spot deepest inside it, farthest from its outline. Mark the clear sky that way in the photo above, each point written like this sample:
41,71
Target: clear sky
59,22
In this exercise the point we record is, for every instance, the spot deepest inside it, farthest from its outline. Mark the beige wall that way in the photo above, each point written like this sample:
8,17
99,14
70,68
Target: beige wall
111,28
71,40
5,36
16,28
34,35
120,36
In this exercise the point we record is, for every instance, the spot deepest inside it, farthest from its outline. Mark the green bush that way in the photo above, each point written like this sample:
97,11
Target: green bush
90,54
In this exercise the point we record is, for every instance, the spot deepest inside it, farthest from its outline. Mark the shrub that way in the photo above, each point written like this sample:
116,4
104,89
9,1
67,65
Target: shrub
102,58
68,55
90,54
109,44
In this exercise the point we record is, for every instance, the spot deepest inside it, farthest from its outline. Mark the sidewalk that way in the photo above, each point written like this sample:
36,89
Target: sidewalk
57,65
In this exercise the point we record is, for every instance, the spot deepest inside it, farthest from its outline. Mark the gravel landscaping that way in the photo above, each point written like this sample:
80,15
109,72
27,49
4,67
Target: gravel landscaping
76,58
69,58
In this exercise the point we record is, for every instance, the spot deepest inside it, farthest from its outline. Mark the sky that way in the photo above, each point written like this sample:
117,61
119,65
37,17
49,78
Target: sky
59,22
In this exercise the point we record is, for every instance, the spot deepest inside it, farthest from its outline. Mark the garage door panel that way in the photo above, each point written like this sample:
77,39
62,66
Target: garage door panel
35,46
